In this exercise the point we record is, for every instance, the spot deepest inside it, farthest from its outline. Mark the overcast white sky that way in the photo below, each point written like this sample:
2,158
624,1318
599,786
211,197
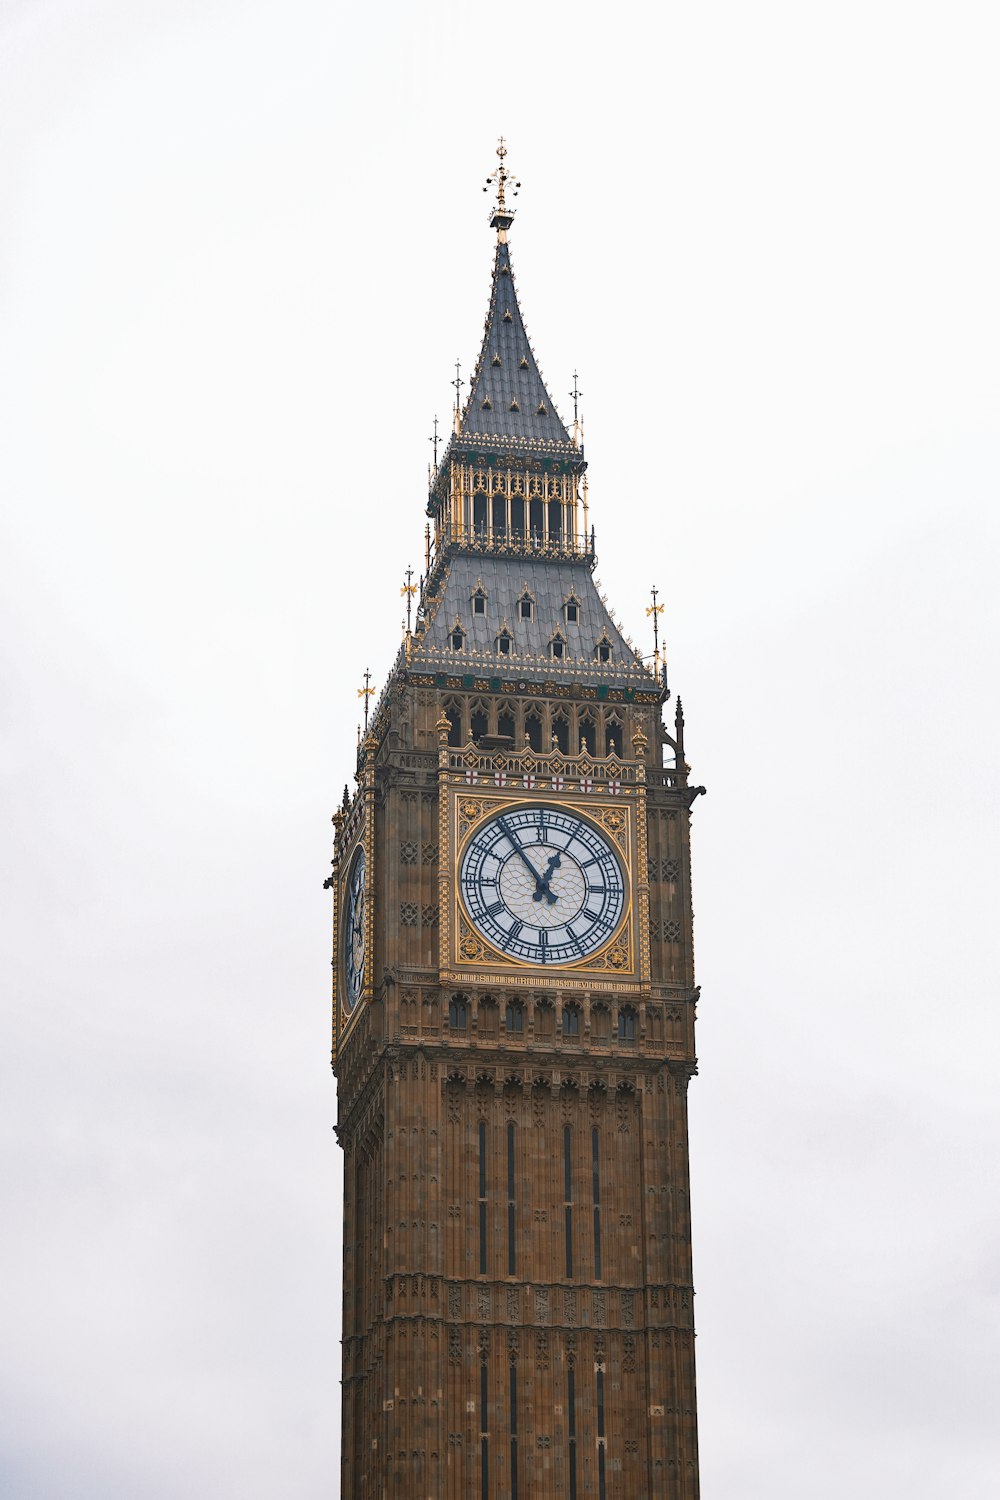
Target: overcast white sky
242,245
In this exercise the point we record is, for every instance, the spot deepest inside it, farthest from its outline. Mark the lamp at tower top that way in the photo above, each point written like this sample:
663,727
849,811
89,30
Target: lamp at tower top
506,185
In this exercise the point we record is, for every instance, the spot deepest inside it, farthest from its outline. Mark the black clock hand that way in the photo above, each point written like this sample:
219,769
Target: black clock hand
543,885
524,858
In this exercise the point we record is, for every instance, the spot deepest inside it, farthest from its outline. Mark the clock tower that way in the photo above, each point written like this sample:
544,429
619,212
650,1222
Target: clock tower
514,999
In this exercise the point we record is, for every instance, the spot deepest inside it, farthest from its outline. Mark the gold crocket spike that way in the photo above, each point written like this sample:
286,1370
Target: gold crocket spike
407,592
366,693
505,181
656,611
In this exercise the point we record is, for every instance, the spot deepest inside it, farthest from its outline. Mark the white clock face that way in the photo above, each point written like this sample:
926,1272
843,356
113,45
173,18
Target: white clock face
542,885
354,932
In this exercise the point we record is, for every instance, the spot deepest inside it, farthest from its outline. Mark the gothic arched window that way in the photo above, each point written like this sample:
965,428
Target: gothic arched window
571,1020
626,1024
487,1016
479,723
514,1017
453,713
458,1013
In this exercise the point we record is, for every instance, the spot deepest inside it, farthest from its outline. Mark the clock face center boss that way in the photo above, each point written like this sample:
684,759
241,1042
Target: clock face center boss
542,885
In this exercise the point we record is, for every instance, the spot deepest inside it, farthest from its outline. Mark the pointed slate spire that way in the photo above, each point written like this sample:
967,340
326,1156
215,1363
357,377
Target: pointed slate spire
507,396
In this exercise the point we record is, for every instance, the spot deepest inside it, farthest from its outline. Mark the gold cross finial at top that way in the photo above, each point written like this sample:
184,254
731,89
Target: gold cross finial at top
506,182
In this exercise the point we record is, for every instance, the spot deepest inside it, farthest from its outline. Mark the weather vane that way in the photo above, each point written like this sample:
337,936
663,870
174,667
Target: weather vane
655,610
502,178
434,440
366,692
458,383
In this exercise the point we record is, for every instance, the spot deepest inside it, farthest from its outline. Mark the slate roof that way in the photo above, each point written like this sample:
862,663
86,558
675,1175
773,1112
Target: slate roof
550,584
507,373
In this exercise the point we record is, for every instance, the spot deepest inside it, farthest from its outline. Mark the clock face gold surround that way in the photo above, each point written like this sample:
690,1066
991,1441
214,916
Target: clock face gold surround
542,885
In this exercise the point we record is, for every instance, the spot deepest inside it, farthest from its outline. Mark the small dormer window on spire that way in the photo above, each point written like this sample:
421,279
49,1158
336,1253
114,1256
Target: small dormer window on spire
557,646
505,643
479,601
525,606
571,610
496,358
603,649
457,637
514,405
507,315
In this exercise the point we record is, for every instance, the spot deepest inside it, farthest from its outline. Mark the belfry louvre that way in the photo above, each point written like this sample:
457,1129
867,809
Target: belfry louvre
514,998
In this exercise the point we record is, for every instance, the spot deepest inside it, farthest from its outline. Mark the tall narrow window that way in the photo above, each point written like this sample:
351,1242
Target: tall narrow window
571,1413
601,1480
568,1160
513,1432
597,1202
484,1440
514,1017
511,1238
482,1197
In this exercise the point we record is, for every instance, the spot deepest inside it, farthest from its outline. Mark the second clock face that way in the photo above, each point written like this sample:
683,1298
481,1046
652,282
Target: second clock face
354,932
542,885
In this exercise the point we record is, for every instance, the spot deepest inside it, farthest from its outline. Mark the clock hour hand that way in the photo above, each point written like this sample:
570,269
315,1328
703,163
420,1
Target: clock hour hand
543,884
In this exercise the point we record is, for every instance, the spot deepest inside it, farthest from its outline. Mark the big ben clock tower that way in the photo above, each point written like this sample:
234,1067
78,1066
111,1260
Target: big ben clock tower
514,1001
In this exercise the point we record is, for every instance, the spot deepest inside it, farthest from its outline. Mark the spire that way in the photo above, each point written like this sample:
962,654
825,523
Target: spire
507,395
510,472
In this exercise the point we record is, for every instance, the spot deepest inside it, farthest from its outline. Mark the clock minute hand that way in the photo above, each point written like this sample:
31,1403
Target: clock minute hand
524,858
